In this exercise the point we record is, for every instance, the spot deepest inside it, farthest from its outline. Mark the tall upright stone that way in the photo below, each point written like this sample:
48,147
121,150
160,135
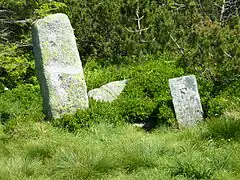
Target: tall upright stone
59,67
186,100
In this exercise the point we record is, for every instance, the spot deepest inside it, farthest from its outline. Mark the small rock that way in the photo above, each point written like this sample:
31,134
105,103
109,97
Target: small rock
108,92
138,125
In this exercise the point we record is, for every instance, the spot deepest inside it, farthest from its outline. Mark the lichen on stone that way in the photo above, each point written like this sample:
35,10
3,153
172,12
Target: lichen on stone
59,66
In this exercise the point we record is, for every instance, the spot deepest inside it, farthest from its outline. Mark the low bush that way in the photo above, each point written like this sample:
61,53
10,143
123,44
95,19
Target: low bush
227,101
145,98
97,112
23,103
216,106
148,91
16,67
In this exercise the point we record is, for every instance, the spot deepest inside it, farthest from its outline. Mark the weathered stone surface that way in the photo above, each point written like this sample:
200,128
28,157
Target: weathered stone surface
108,92
59,67
186,100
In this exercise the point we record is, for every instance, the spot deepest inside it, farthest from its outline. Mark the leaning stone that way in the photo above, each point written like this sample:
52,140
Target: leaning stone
59,67
108,92
186,100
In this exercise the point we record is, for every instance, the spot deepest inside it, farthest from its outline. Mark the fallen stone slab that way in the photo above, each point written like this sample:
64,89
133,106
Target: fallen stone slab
108,92
186,100
59,67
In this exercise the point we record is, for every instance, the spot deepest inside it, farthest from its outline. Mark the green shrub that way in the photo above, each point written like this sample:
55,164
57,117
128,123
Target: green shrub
212,54
69,122
96,113
136,109
145,98
148,91
23,103
109,30
216,106
50,8
166,113
16,67
227,101
98,73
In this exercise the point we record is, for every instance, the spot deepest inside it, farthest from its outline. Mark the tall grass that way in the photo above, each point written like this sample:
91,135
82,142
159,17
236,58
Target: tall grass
224,128
40,151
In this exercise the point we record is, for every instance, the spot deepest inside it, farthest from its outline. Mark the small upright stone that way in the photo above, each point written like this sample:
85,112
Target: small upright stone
59,67
186,100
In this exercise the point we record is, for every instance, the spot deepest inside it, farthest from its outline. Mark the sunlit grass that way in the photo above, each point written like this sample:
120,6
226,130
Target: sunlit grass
40,151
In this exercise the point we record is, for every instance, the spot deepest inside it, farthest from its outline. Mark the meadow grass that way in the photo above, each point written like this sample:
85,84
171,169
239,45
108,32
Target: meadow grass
40,151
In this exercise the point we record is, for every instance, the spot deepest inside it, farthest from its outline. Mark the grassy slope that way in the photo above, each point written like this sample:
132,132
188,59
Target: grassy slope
33,149
39,151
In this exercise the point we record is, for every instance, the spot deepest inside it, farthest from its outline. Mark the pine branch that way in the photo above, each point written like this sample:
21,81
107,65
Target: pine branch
25,21
222,12
179,48
139,29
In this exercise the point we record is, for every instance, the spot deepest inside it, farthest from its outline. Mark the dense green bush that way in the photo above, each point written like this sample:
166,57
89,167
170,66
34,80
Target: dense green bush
227,101
148,91
213,54
16,67
216,106
110,29
98,112
16,57
98,73
22,104
189,29
145,98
